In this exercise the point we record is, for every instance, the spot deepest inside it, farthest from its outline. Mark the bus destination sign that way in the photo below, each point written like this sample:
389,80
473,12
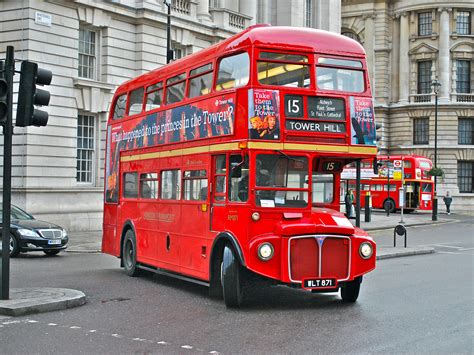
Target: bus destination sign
325,108
315,126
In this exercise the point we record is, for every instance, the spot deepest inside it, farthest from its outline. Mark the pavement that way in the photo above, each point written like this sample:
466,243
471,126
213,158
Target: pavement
35,300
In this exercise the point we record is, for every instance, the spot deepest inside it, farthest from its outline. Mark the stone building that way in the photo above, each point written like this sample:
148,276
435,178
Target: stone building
409,45
92,46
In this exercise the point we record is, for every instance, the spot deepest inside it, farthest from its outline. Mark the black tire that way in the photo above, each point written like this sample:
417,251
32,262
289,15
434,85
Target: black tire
231,277
390,205
350,291
129,254
14,246
51,252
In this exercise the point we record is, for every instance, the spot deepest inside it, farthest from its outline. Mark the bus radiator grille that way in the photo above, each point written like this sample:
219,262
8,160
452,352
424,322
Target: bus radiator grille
310,258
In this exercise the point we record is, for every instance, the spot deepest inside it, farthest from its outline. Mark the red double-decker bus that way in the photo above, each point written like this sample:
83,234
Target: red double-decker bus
384,187
223,168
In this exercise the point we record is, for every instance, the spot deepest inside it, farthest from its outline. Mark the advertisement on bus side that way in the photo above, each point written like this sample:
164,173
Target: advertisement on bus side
209,118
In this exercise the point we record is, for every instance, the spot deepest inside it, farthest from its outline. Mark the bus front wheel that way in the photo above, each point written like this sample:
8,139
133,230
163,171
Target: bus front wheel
389,205
129,254
350,291
231,278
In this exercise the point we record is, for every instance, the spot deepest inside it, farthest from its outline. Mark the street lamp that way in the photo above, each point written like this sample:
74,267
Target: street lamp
435,84
169,51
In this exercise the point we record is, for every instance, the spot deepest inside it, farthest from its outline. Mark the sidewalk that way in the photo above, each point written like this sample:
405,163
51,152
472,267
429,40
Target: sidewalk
34,300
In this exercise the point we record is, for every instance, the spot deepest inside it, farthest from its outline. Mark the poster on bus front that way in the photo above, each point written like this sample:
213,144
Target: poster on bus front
203,119
362,121
264,114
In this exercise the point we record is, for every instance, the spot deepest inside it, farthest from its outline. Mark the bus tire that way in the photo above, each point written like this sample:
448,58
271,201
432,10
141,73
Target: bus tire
231,278
129,254
389,205
350,290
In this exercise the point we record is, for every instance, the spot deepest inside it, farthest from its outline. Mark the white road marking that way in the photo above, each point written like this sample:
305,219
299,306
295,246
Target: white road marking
74,327
52,324
186,346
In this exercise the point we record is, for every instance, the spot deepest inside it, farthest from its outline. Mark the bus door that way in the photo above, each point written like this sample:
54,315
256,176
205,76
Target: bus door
218,193
411,200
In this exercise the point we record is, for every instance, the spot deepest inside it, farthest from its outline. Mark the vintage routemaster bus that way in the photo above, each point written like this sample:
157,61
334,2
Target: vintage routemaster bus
419,185
223,168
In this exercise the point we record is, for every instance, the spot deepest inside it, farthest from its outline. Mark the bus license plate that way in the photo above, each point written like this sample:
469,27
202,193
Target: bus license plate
313,284
54,242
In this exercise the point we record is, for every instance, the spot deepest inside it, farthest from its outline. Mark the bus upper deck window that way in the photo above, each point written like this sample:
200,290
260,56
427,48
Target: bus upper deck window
175,88
120,105
201,81
136,102
328,77
283,69
154,96
233,72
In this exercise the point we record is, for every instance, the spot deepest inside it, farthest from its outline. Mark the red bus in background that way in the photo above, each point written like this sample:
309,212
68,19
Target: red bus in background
223,168
419,185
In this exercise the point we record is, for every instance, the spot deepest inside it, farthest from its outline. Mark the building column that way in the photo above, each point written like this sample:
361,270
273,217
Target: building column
369,46
328,15
404,61
249,8
203,11
443,54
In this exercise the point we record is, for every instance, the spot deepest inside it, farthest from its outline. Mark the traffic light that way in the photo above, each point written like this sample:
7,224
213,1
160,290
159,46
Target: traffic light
4,89
377,164
29,95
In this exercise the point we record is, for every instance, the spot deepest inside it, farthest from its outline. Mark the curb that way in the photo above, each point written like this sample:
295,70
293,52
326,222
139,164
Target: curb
39,300
407,252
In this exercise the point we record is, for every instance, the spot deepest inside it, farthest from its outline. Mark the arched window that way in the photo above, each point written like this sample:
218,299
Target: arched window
351,34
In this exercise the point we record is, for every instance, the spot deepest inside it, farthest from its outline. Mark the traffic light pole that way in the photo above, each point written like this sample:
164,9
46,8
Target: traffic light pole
7,176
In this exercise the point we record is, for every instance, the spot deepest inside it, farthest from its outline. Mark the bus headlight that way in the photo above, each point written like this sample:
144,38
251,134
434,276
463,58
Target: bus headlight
255,216
366,250
265,251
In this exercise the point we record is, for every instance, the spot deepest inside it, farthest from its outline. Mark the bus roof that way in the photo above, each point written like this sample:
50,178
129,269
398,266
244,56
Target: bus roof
265,36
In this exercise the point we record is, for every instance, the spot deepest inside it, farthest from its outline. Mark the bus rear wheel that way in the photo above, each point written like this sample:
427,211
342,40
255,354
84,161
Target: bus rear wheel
129,254
389,205
350,291
231,278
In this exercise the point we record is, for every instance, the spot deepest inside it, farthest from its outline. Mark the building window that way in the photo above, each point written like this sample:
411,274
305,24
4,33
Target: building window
87,54
466,131
308,15
425,24
85,148
465,176
351,34
424,77
463,23
463,76
421,130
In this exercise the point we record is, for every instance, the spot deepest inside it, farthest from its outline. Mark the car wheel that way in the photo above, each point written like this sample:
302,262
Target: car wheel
51,252
14,246
232,278
129,254
350,291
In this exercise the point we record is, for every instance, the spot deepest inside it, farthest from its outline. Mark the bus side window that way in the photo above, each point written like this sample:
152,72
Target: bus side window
220,177
154,96
195,185
120,106
201,81
239,178
175,88
130,185
149,185
170,185
233,72
136,102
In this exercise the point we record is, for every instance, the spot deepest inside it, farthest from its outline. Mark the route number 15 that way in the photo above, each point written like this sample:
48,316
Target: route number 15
293,106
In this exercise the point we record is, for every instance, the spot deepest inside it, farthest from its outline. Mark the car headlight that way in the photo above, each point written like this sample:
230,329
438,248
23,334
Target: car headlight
366,250
27,233
64,234
265,251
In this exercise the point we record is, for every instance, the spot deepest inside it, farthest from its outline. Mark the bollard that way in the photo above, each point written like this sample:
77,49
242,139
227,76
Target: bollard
400,230
434,215
368,208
